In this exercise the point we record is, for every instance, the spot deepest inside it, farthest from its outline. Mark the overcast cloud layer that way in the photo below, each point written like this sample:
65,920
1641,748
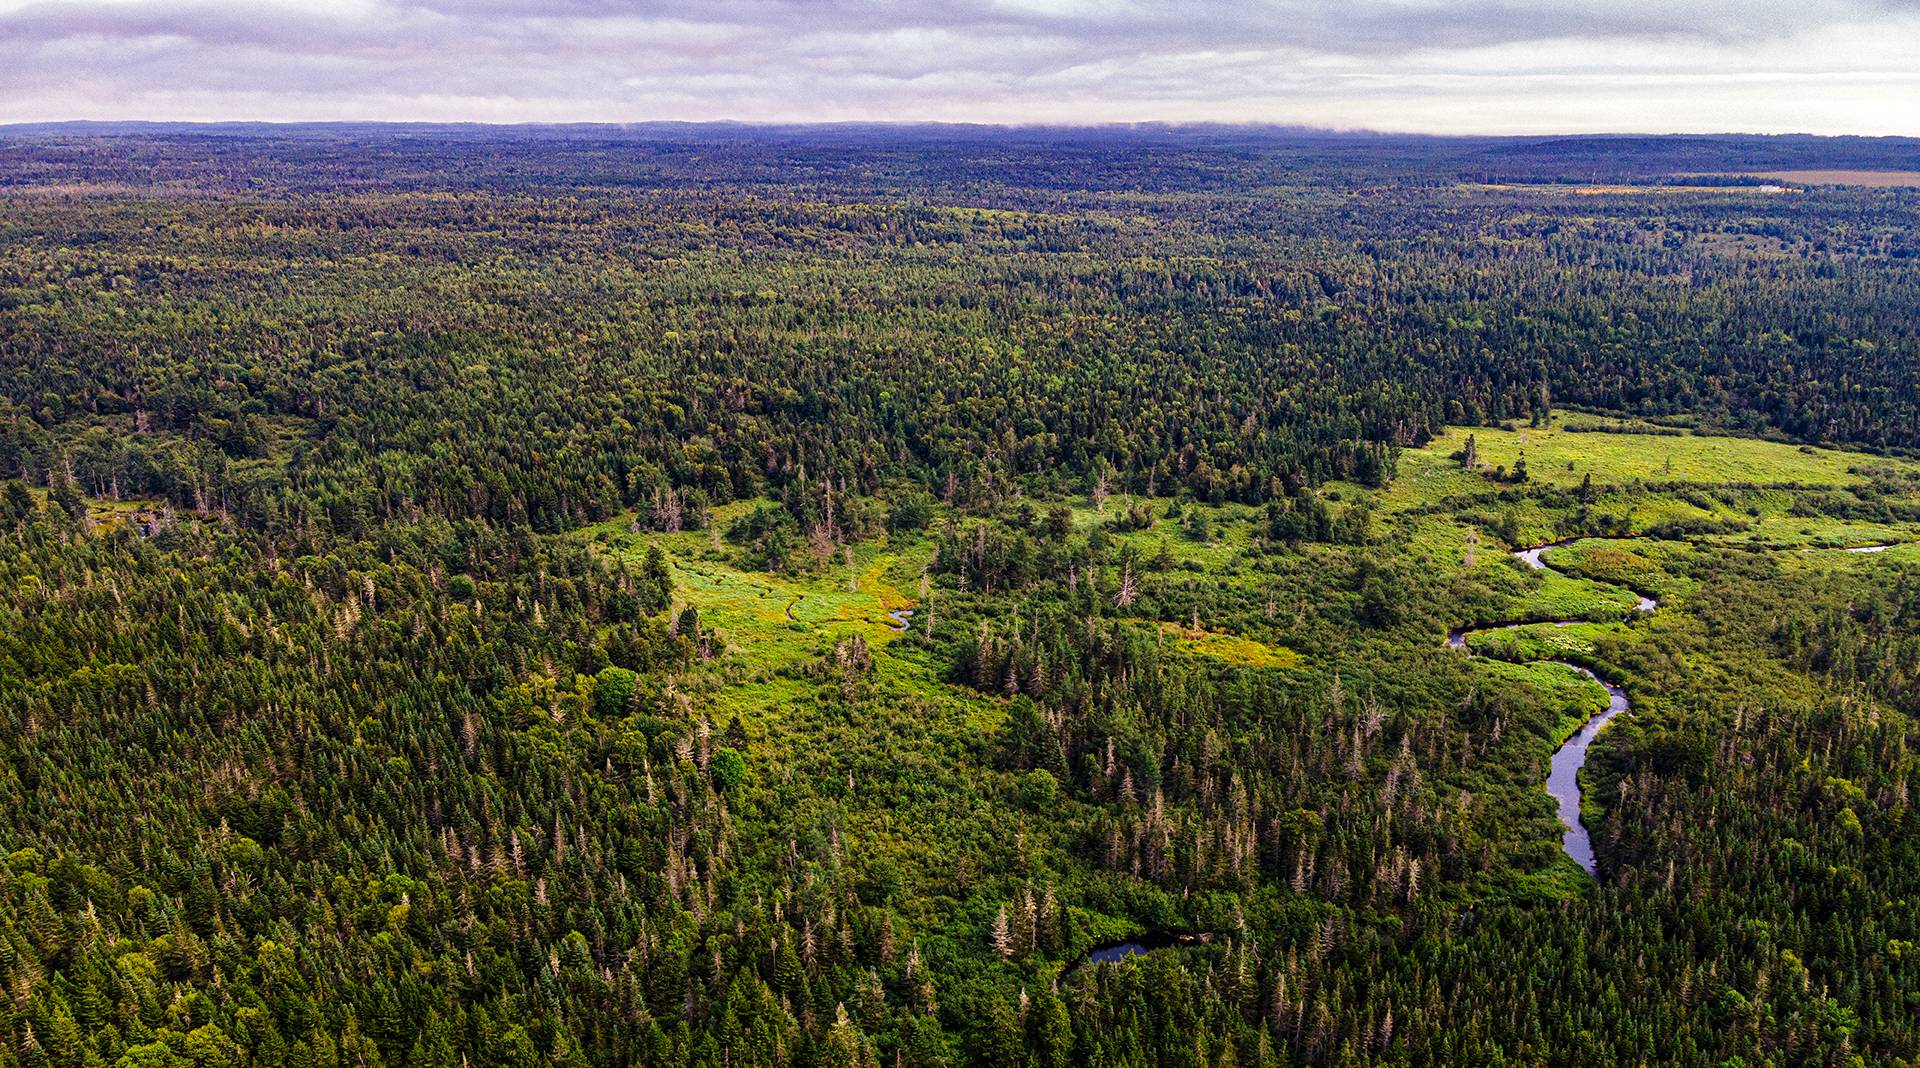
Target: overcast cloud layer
1487,66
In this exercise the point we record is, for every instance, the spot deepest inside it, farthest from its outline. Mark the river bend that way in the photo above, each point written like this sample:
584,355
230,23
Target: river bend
1563,773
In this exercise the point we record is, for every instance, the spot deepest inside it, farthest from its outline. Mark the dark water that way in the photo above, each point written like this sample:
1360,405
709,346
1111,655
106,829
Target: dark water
1108,954
1563,773
1139,945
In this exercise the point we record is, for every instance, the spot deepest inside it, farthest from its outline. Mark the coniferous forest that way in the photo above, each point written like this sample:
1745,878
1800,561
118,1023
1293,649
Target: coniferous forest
850,596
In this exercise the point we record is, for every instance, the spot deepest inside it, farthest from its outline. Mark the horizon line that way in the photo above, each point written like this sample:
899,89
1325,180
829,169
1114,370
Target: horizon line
1140,125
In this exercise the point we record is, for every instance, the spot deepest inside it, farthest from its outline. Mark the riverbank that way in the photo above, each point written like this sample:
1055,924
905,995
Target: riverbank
1563,769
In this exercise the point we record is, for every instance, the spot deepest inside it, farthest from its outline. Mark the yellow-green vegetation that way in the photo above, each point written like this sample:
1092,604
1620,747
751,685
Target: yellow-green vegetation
1231,648
1560,596
1572,695
1564,700
1653,493
1540,641
1674,512
1623,564
1573,446
764,623
1214,546
105,514
850,590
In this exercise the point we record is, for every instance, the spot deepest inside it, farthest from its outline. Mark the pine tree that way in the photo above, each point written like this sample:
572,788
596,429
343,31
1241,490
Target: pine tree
1001,1044
1129,591
1049,1032
1003,941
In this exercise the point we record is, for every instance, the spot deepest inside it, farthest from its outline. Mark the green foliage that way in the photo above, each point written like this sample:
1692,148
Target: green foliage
912,511
613,690
729,769
1038,790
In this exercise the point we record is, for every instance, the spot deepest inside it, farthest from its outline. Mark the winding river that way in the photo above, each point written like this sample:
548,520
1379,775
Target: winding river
1563,775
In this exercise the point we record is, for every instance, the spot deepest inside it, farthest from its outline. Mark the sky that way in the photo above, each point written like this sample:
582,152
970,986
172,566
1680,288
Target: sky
1434,66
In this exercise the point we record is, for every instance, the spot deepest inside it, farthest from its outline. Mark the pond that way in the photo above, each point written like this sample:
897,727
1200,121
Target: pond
1140,945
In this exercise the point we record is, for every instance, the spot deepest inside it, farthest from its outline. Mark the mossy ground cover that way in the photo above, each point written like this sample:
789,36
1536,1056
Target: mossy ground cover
1669,492
1661,480
769,623
1551,594
1620,563
768,619
1231,648
106,513
1817,532
902,748
1816,561
1540,641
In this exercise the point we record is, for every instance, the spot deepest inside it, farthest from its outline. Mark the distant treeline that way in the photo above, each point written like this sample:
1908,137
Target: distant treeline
326,350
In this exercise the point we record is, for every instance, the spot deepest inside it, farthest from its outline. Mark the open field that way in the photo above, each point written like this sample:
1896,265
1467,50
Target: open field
1559,456
767,620
1540,641
105,513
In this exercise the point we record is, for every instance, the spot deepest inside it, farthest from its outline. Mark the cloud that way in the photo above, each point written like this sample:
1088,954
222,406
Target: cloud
1438,65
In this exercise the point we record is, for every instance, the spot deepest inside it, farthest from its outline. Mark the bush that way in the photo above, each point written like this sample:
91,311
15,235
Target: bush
612,690
729,769
1038,789
912,512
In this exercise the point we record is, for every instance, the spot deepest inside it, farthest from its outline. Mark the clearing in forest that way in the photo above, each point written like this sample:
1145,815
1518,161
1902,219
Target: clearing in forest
1617,451
768,620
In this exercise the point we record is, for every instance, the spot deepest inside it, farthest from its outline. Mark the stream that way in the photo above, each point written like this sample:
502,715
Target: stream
1563,774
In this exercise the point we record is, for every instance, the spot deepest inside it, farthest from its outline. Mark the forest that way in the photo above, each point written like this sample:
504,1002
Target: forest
860,596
